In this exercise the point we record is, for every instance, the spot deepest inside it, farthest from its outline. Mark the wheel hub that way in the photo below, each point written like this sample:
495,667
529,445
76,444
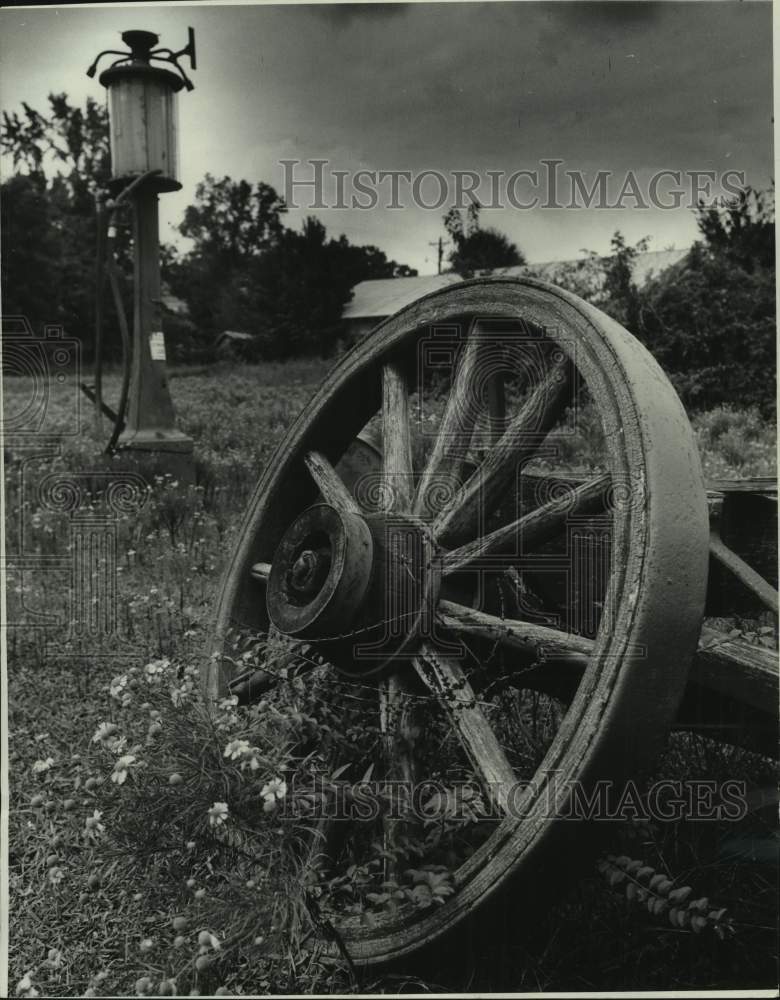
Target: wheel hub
360,586
309,572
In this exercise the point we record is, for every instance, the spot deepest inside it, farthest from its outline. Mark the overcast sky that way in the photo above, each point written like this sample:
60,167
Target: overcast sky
493,86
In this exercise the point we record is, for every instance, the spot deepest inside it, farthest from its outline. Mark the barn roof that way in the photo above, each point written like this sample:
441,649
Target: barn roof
385,296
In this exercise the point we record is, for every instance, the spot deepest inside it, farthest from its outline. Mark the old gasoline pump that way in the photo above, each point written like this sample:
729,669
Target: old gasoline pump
142,102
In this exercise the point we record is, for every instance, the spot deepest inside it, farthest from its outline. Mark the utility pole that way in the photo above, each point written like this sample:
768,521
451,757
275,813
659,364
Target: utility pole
440,244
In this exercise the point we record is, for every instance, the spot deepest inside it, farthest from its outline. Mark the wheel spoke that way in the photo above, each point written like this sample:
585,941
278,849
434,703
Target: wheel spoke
396,723
398,471
491,421
398,732
280,653
321,847
329,482
542,658
532,530
746,575
251,685
731,667
532,640
496,407
457,425
517,445
445,678
327,835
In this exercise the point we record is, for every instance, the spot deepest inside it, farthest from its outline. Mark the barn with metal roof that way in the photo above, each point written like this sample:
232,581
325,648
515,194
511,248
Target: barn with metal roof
373,301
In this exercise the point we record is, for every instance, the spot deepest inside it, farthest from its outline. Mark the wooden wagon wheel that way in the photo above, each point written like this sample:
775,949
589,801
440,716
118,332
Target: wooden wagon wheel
406,548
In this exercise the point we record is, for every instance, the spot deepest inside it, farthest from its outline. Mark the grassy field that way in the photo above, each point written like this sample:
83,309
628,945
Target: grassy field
111,897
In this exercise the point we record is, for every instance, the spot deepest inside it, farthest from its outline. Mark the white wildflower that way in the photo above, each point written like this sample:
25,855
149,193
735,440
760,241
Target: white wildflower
237,749
180,695
25,987
208,940
154,671
121,768
117,686
56,875
104,732
25,983
54,959
218,813
270,792
92,825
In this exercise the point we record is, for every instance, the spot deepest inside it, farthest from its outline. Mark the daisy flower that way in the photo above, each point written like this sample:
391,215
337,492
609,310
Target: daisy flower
122,766
104,732
237,749
270,792
117,686
92,825
218,813
155,670
180,695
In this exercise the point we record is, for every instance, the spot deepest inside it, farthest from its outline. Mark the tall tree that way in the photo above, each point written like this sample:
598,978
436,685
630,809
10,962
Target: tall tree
476,249
62,158
232,221
31,251
72,140
298,289
620,290
230,224
741,229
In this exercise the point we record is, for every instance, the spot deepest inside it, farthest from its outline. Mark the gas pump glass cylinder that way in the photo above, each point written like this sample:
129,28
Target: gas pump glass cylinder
144,124
144,128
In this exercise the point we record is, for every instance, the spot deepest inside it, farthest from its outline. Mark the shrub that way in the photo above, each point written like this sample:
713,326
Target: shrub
711,325
736,442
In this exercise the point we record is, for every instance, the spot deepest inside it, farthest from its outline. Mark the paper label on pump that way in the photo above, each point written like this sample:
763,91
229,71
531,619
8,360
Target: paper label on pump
157,345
